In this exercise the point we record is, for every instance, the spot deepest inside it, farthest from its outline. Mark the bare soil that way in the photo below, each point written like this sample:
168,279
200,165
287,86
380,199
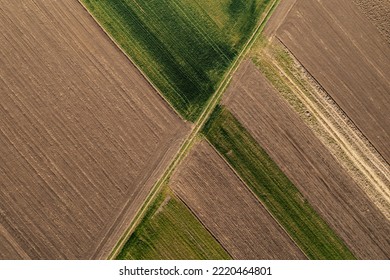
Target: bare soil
278,17
308,164
83,136
378,12
224,204
349,58
329,123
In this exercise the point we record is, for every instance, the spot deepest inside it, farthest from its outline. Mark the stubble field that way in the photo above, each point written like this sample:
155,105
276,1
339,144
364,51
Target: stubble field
83,135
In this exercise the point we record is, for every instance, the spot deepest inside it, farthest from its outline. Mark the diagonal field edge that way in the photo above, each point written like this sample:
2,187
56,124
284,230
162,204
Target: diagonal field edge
188,143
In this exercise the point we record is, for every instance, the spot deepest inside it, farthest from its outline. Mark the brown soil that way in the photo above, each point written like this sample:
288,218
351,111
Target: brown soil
308,164
329,123
348,57
278,17
83,135
228,209
378,12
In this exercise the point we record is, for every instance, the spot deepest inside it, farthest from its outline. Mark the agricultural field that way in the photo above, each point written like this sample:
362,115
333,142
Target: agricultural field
184,47
228,209
321,181
226,129
278,17
325,118
273,188
170,231
83,135
378,12
348,57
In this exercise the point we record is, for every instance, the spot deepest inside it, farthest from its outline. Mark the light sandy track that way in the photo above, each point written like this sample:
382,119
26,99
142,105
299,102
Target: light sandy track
209,108
332,126
308,164
353,151
353,68
228,209
83,136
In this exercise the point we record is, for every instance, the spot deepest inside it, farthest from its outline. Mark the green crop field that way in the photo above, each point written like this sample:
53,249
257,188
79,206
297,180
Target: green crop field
170,231
183,46
273,188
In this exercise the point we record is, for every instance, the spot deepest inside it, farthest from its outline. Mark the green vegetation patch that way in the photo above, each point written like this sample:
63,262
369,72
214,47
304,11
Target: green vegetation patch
170,231
273,188
183,46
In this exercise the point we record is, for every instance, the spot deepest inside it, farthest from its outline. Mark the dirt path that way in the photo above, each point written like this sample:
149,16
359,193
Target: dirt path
309,165
209,108
83,135
347,143
374,178
353,69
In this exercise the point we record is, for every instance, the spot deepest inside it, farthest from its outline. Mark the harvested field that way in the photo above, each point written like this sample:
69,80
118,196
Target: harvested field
378,11
83,135
183,46
228,209
169,231
348,57
308,164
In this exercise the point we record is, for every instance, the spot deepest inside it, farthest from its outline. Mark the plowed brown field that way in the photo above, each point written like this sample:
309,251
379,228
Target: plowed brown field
348,56
228,209
83,136
308,164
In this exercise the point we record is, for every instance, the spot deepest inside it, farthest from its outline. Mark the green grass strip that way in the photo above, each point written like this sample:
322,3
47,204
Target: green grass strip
183,46
170,231
312,234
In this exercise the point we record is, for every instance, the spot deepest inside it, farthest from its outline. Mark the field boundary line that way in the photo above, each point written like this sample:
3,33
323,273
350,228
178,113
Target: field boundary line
254,195
363,137
189,141
366,167
273,34
355,125
132,62
200,222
